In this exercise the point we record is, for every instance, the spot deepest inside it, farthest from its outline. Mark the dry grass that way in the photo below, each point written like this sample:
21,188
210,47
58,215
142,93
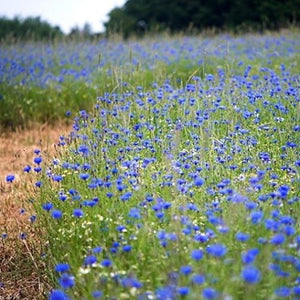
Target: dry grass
21,270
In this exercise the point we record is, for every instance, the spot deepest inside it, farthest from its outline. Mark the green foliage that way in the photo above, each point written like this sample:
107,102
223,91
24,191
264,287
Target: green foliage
30,28
182,15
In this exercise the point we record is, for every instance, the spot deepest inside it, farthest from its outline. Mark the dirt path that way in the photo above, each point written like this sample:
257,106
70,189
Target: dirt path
19,273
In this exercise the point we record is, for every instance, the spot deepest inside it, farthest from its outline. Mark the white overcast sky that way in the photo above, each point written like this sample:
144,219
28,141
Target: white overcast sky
64,13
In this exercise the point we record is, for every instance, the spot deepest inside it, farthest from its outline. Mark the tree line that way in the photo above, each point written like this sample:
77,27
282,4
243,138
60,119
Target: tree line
140,16
29,28
34,28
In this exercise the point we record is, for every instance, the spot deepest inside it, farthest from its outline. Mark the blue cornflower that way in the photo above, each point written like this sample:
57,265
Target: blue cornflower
58,295
296,290
84,176
67,281
47,206
209,293
283,191
183,290
186,270
238,198
131,282
277,239
89,260
23,236
56,214
10,178
84,149
198,279
97,249
37,169
134,213
38,184
242,237
106,263
126,196
283,291
256,216
127,248
197,254
250,255
198,181
57,178
37,160
62,267
27,169
216,250
250,274
97,294
78,213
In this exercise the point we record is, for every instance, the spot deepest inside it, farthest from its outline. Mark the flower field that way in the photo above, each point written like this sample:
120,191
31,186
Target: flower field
180,178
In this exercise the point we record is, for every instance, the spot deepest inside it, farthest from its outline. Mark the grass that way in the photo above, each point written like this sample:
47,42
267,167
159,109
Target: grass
182,180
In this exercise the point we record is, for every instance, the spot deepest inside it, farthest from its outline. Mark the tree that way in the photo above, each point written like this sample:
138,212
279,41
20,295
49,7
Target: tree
183,15
29,28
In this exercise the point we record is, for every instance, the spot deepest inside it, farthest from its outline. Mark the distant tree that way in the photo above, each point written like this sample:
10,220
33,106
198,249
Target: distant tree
138,16
120,22
29,28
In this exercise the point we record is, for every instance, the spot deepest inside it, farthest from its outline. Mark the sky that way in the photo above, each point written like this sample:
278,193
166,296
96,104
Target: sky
65,13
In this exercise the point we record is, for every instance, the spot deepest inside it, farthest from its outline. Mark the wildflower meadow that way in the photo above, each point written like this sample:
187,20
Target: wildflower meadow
180,178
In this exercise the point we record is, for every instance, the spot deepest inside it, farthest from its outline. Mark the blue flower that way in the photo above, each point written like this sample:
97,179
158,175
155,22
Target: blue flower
242,237
216,250
198,279
250,274
256,216
250,255
37,160
27,169
47,206
57,178
127,248
296,290
198,181
58,295
134,213
209,293
131,282
62,267
283,292
56,214
97,294
89,260
283,191
10,178
67,281
277,239
106,263
78,213
84,176
38,184
186,270
197,254
97,249
183,290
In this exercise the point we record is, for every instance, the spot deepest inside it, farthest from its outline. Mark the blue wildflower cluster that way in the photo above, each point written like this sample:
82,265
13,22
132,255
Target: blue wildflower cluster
188,190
